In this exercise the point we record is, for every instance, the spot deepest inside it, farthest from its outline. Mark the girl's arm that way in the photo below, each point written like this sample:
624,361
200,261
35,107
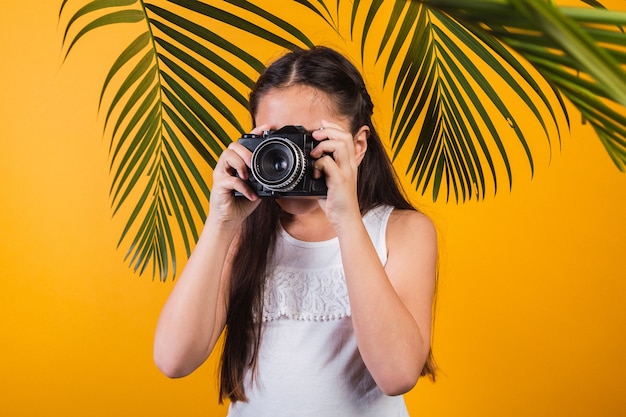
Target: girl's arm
392,305
195,312
194,315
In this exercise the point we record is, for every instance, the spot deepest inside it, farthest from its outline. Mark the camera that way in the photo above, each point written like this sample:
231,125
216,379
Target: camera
281,163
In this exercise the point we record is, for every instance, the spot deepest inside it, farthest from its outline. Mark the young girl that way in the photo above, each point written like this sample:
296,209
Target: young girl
325,303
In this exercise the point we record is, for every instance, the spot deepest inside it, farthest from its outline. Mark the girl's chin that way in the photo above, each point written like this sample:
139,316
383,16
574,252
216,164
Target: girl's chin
299,205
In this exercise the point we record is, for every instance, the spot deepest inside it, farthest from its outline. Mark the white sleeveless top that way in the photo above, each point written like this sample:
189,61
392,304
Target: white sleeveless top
309,364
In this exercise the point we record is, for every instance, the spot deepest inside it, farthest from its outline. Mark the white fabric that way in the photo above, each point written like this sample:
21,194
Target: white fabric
309,364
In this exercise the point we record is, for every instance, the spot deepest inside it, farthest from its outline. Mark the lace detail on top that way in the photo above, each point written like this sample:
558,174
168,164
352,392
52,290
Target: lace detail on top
308,281
318,295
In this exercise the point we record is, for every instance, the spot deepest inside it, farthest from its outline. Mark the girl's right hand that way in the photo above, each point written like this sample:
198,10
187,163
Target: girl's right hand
195,313
229,175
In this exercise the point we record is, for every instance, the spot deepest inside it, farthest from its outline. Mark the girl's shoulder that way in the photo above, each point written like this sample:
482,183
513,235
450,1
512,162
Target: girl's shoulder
410,225
412,245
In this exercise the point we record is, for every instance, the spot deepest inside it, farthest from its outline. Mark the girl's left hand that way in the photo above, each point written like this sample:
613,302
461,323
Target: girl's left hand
337,160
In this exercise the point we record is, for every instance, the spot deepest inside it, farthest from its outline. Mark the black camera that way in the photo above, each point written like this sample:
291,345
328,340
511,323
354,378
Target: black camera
281,163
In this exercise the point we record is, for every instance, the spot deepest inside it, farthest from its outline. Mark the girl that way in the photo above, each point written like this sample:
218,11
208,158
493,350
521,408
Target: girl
325,303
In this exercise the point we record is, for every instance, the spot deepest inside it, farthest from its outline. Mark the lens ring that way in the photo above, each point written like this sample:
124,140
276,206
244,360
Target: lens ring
278,164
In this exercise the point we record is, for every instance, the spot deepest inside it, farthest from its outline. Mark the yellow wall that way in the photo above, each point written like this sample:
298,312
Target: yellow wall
530,318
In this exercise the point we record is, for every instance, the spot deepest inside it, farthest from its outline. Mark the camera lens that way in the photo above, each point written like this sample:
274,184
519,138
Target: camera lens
278,164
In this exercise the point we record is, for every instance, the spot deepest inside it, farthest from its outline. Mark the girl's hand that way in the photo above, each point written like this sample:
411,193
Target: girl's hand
340,169
230,174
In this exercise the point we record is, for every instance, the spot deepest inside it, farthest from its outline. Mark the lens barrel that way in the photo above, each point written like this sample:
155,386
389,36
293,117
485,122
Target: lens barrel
278,164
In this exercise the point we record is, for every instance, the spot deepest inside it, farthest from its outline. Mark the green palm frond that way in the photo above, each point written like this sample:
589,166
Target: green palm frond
173,99
164,114
321,10
436,79
579,51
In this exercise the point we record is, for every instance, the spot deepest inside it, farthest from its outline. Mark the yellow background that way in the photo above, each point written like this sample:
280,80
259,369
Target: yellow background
530,316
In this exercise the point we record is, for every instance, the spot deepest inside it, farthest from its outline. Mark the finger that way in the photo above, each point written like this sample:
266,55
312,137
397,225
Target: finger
334,133
326,124
226,181
242,153
233,161
245,190
258,130
328,130
326,165
341,151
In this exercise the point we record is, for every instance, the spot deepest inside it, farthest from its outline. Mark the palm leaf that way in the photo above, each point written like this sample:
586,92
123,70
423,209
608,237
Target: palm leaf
162,112
579,51
432,54
173,99
422,37
321,11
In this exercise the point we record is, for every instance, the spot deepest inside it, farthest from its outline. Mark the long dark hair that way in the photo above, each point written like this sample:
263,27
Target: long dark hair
330,72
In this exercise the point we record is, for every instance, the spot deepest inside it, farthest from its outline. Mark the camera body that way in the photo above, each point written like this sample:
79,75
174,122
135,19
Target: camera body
281,163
